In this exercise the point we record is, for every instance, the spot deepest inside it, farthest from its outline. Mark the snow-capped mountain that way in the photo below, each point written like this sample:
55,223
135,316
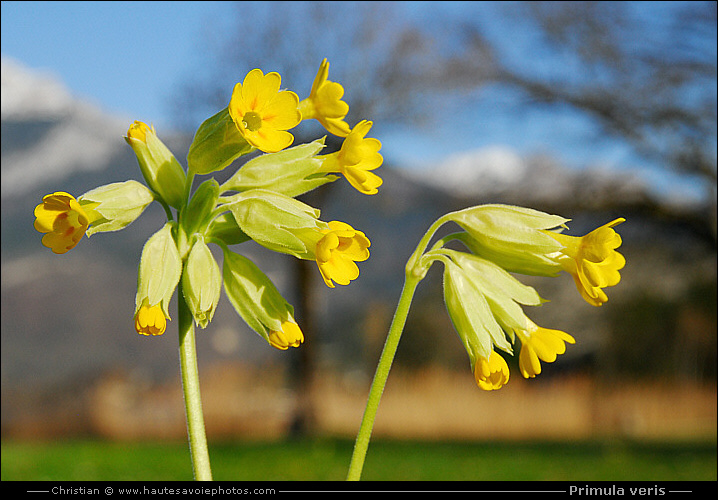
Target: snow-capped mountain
68,135
499,173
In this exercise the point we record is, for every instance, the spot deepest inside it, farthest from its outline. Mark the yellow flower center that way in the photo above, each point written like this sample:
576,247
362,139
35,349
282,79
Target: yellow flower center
252,121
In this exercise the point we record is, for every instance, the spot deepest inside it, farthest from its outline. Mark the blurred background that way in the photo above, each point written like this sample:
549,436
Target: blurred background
591,110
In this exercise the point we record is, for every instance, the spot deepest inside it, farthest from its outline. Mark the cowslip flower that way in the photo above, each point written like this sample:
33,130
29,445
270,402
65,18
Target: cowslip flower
150,320
325,103
338,251
290,335
491,374
259,303
356,159
539,343
163,173
263,113
592,260
63,220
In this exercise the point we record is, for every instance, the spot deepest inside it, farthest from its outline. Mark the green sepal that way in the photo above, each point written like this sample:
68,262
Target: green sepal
160,169
159,270
291,172
254,296
201,282
276,221
471,314
502,291
200,207
224,227
216,144
114,206
512,237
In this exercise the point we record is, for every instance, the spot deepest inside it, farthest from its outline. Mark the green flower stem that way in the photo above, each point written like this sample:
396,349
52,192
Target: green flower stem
190,387
382,373
416,268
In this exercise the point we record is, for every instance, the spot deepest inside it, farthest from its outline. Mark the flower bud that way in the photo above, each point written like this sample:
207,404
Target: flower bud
217,143
161,170
201,283
160,270
257,300
116,205
200,207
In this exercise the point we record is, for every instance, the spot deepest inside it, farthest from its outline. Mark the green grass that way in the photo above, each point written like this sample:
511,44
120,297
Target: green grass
328,460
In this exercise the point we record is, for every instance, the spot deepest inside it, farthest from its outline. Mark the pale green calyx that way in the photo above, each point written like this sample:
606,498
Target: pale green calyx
484,301
201,282
276,221
116,205
160,269
512,237
199,210
216,144
161,170
291,172
254,296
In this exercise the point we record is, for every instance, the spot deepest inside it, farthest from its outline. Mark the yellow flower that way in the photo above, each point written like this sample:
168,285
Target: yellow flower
150,320
63,219
539,343
289,336
356,158
491,374
263,113
592,260
338,250
325,103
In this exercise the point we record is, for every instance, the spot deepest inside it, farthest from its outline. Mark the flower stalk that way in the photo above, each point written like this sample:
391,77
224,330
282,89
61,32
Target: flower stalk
190,388
391,344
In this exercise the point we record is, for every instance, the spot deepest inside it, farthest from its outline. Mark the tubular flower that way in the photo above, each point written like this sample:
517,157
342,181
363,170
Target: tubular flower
539,343
491,374
325,103
289,336
338,250
63,219
150,320
263,113
592,260
356,158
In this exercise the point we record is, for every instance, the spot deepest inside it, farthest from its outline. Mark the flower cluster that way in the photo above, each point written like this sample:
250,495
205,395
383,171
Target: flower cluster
485,300
257,202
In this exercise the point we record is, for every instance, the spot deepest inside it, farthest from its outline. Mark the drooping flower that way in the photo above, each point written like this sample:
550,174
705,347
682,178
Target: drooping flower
338,250
63,220
592,260
263,113
150,320
201,283
289,336
325,103
539,343
491,374
259,303
356,159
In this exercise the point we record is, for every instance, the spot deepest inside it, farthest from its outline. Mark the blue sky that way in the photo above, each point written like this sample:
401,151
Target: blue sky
129,56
